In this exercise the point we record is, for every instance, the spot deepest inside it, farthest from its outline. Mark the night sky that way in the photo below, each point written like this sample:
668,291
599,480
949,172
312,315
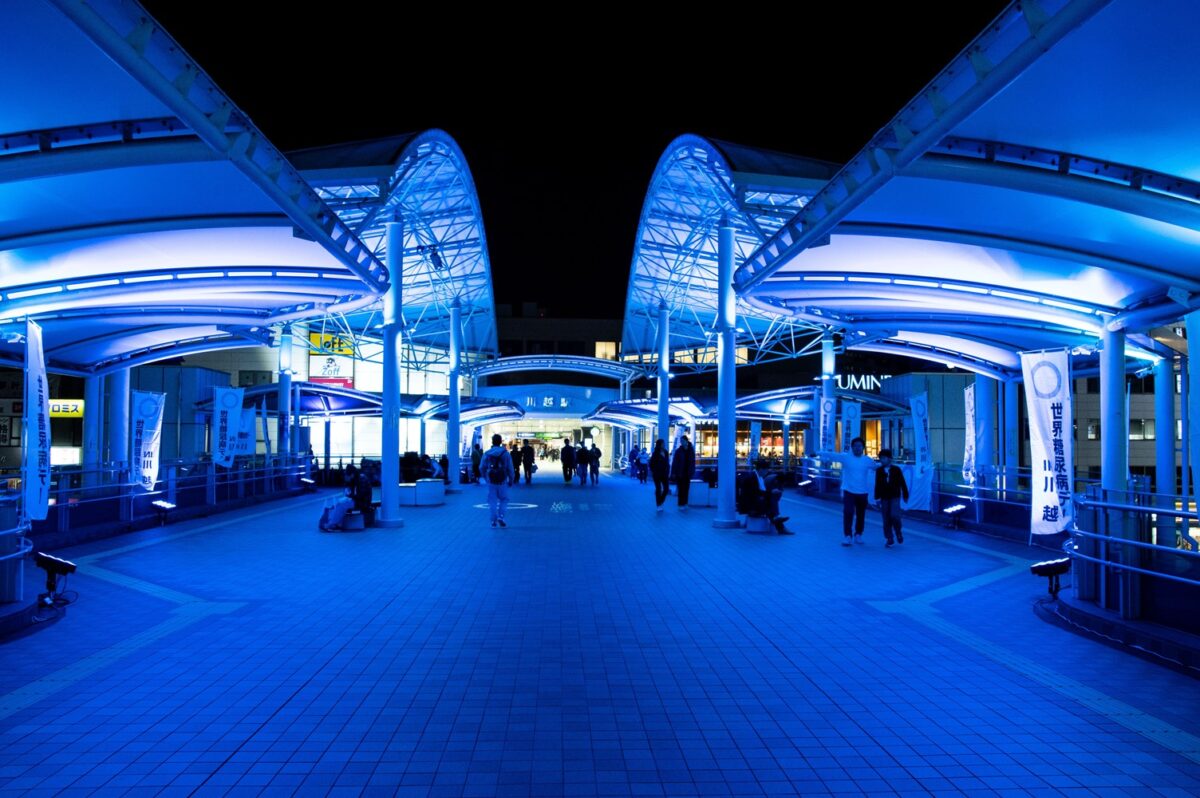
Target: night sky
562,133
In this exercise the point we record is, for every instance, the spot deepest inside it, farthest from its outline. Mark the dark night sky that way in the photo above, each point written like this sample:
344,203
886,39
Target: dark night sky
562,133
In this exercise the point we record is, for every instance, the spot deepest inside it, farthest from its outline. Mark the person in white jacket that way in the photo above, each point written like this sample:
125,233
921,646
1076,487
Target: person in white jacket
857,480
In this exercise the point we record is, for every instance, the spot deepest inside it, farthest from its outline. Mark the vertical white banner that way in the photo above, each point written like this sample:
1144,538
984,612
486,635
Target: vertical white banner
920,489
265,426
827,424
968,469
36,465
247,435
1048,397
755,440
147,435
851,423
227,424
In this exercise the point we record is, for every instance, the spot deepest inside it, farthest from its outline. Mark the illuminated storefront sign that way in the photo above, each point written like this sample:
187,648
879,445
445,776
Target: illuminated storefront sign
66,408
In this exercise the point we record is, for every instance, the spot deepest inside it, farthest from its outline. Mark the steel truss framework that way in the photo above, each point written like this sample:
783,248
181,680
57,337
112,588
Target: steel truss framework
675,261
430,191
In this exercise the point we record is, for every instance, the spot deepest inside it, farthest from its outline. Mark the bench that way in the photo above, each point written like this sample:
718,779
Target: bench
759,525
699,494
429,492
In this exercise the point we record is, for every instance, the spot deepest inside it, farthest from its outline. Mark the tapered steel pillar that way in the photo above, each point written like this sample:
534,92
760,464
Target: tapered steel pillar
389,507
726,517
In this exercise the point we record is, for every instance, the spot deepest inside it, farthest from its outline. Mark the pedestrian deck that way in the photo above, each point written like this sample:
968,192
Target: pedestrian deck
592,648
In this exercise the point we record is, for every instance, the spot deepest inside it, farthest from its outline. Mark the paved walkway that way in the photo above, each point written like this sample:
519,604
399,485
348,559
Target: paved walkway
593,648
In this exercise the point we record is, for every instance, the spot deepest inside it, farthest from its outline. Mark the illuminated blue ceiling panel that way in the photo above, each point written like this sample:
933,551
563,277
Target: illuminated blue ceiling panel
1038,190
142,215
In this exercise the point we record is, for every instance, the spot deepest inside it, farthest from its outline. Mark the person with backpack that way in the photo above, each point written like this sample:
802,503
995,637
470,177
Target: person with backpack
659,467
642,465
568,460
498,471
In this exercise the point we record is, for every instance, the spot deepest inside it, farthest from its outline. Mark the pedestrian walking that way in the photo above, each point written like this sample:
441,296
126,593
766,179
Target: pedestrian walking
658,464
594,463
890,487
476,457
856,488
527,458
568,460
683,468
581,464
498,470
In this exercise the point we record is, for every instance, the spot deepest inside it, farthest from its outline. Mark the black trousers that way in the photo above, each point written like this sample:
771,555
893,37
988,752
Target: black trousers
854,508
661,491
528,473
683,487
568,471
890,509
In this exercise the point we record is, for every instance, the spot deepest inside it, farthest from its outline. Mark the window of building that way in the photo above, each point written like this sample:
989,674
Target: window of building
1093,429
1093,385
248,378
606,350
1141,429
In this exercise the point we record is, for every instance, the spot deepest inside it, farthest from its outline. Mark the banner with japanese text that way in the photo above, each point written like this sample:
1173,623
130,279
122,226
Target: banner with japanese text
247,435
147,435
36,465
227,424
968,469
827,424
851,423
1048,397
920,489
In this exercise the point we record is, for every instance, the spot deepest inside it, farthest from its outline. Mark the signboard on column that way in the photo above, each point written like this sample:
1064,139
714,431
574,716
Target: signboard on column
147,435
1048,398
968,469
755,439
851,423
36,468
920,488
827,424
227,424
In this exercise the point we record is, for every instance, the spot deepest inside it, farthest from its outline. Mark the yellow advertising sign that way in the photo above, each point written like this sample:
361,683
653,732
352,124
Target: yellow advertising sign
330,343
66,408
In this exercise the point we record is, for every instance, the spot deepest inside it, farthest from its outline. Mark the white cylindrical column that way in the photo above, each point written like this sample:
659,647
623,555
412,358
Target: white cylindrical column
118,419
1164,444
389,507
664,375
985,429
1012,434
726,381
454,406
1114,419
283,414
93,429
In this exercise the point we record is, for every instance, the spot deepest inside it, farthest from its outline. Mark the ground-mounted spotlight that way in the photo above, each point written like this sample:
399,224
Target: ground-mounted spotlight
54,568
310,485
1052,570
805,485
954,513
163,507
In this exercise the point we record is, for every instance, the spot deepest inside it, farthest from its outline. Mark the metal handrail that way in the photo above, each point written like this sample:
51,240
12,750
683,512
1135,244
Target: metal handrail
1136,543
1083,501
1117,567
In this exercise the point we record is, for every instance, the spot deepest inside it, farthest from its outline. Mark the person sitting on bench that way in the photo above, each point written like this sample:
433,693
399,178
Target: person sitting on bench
758,495
357,497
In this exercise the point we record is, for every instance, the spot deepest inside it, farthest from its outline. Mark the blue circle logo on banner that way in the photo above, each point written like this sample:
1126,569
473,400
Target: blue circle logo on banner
1046,378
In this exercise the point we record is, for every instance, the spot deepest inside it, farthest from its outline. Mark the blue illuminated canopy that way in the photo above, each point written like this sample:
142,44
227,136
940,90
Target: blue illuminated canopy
1045,186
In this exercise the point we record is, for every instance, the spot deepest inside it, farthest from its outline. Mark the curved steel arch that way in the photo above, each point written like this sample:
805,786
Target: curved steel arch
577,364
696,183
423,181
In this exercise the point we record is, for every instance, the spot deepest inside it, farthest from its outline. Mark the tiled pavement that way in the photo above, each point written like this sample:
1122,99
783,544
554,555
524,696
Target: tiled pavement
593,648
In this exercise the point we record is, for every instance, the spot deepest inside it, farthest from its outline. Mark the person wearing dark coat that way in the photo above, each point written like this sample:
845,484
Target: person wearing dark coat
889,488
594,463
660,469
683,468
527,456
568,460
759,494
582,458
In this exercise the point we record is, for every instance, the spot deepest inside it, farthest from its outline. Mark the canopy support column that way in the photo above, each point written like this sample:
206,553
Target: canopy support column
283,446
454,406
726,517
985,442
664,375
1114,459
389,507
93,429
118,420
1011,434
1164,445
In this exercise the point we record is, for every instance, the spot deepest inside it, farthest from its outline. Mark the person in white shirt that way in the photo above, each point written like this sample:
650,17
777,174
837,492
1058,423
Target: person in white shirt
857,479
